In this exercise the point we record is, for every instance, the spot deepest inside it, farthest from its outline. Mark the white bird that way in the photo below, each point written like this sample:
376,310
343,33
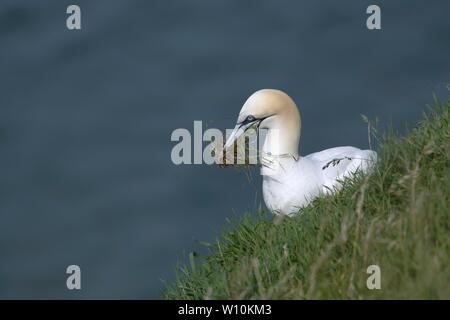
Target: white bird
290,181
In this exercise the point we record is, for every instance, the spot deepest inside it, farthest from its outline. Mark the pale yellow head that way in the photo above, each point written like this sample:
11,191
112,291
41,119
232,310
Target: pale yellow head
273,110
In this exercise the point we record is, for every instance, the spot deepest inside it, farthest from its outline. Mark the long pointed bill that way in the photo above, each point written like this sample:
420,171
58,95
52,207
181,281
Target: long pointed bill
236,133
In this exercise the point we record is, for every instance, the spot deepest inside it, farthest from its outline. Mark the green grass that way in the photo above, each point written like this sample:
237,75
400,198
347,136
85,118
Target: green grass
397,218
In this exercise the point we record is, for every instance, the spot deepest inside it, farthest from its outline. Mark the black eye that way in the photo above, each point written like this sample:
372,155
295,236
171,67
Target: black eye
249,119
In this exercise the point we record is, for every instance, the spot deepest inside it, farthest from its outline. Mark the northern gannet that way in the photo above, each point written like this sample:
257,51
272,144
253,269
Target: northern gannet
290,181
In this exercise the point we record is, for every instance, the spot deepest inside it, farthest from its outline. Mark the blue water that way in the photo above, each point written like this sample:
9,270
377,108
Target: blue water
86,117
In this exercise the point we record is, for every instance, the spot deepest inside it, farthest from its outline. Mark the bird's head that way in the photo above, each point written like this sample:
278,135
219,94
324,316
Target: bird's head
269,109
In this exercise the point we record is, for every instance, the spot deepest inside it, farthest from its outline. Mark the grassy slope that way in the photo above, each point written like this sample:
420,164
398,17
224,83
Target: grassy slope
397,218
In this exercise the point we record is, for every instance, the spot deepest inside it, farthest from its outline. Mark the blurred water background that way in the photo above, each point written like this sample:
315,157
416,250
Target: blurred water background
86,117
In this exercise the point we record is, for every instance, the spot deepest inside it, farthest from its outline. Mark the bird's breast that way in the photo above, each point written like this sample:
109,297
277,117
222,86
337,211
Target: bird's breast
290,189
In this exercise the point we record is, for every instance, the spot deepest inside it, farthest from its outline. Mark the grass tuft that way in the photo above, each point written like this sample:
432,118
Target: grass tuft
398,218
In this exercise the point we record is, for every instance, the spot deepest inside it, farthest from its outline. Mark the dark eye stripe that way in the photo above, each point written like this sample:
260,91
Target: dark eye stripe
249,119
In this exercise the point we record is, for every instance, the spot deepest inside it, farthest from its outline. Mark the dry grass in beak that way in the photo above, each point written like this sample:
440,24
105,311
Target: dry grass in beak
243,152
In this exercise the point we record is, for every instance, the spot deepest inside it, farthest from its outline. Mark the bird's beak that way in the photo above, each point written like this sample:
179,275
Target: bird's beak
236,133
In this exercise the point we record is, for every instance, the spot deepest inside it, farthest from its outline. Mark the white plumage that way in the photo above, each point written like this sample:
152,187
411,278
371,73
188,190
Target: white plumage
290,181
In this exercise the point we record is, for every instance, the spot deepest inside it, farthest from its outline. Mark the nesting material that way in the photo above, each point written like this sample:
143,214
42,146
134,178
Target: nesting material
243,152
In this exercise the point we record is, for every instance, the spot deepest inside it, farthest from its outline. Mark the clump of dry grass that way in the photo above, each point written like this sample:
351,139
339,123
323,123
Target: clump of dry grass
242,155
244,151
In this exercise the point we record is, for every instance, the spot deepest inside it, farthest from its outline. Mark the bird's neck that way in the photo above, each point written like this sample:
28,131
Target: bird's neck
278,165
283,137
